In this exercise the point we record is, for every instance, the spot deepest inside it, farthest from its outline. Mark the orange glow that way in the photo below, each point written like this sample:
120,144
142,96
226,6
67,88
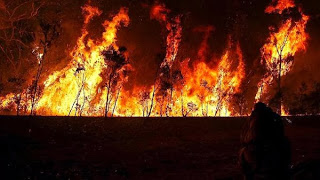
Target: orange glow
77,89
92,85
284,112
210,88
283,44
206,91
160,13
278,6
7,101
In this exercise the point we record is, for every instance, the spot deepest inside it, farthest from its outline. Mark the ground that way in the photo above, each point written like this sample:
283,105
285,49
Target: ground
135,148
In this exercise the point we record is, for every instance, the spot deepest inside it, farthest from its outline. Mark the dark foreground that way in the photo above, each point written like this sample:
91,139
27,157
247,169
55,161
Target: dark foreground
134,148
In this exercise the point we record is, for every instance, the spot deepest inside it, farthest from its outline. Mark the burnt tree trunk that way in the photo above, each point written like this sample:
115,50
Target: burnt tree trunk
115,102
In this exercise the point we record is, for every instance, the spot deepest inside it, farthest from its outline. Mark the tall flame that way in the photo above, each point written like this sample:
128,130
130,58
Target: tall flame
91,84
160,13
78,87
278,6
211,88
282,44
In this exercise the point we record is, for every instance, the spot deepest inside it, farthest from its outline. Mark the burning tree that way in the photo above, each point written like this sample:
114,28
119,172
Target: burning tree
82,78
81,81
282,44
16,37
215,85
145,98
144,102
18,95
173,25
165,91
50,32
19,21
116,72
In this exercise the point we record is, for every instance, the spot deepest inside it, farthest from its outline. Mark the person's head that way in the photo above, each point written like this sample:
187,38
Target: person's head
263,124
260,106
261,109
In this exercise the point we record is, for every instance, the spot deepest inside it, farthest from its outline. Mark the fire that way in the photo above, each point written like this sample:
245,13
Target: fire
284,112
77,89
92,83
7,101
183,91
282,45
211,88
278,6
160,13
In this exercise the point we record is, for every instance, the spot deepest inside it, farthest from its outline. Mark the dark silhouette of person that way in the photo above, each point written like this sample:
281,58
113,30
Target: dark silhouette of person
265,150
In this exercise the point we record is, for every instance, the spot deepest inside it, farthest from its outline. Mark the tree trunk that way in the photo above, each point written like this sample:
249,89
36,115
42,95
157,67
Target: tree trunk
279,85
35,90
115,103
108,94
151,106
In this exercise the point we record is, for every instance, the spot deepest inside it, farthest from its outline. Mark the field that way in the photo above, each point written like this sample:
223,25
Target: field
135,148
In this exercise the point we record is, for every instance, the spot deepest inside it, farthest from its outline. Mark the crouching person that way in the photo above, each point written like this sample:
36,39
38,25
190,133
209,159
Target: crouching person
265,150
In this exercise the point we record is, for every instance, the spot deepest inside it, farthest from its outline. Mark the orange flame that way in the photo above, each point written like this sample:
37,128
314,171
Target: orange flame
282,45
284,112
200,88
160,13
77,89
278,6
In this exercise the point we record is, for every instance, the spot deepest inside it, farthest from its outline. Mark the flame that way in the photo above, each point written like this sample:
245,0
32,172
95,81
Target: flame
213,88
78,87
206,90
92,83
160,13
278,6
284,112
283,44
7,101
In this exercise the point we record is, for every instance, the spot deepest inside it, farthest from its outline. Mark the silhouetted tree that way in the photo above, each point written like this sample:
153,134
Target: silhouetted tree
51,32
18,94
191,108
16,30
306,100
117,70
79,106
277,63
144,98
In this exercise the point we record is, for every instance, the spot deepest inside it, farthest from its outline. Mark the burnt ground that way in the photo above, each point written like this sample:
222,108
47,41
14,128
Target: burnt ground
134,148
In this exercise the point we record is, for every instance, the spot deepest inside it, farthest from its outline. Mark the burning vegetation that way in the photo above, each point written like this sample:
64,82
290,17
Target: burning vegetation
93,82
281,46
